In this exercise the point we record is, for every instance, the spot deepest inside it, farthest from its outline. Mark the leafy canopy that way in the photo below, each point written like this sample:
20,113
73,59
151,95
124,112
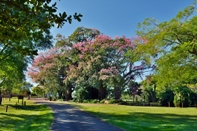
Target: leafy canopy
25,23
25,29
173,46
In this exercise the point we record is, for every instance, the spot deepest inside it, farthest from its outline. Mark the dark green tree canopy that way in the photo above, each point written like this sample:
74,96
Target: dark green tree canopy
25,23
25,29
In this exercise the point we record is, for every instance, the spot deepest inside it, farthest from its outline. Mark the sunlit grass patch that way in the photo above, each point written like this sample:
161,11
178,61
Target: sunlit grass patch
24,118
139,118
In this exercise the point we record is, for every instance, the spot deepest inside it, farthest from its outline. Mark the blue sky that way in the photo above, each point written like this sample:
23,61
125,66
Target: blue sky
117,17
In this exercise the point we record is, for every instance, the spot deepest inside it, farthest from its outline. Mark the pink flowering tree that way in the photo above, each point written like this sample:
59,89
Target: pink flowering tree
103,62
65,58
46,71
71,58
91,60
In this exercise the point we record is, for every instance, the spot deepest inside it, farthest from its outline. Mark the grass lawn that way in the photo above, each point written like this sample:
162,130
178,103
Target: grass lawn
139,118
32,117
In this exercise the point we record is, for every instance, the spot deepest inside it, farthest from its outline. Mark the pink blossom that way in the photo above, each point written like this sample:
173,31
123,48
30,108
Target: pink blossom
80,56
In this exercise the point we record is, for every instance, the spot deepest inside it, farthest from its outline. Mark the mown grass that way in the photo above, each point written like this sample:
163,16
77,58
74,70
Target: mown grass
32,117
139,118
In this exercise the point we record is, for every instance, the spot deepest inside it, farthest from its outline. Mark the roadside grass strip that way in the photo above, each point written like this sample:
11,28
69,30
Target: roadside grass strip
32,117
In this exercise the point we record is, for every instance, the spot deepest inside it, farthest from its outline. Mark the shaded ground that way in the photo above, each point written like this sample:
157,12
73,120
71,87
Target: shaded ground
69,118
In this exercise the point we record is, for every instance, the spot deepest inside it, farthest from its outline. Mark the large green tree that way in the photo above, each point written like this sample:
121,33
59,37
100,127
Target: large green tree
25,26
172,45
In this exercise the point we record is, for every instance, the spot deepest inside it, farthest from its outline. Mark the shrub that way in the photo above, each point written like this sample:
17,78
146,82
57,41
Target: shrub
123,102
166,97
102,101
133,103
112,101
193,97
85,101
182,96
94,101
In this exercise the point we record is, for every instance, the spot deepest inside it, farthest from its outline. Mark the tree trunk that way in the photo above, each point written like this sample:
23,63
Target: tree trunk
102,92
59,94
117,93
68,93
93,92
133,97
29,96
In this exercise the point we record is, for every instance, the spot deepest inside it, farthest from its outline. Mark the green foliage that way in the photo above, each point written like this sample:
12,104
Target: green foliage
166,97
38,90
29,18
12,72
26,86
125,95
94,101
24,29
149,89
112,101
81,94
82,34
102,101
193,98
173,47
182,96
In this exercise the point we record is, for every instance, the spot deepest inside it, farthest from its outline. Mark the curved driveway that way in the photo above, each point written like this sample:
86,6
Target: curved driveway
69,118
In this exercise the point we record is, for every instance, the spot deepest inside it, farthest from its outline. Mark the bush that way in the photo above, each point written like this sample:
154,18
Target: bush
182,96
102,101
155,104
85,101
94,101
60,100
112,101
73,100
123,102
133,103
166,97
193,97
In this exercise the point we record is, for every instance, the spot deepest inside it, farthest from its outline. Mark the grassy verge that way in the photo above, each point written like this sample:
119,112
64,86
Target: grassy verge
138,118
32,117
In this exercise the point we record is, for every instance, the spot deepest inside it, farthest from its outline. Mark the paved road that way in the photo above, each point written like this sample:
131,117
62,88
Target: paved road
69,118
